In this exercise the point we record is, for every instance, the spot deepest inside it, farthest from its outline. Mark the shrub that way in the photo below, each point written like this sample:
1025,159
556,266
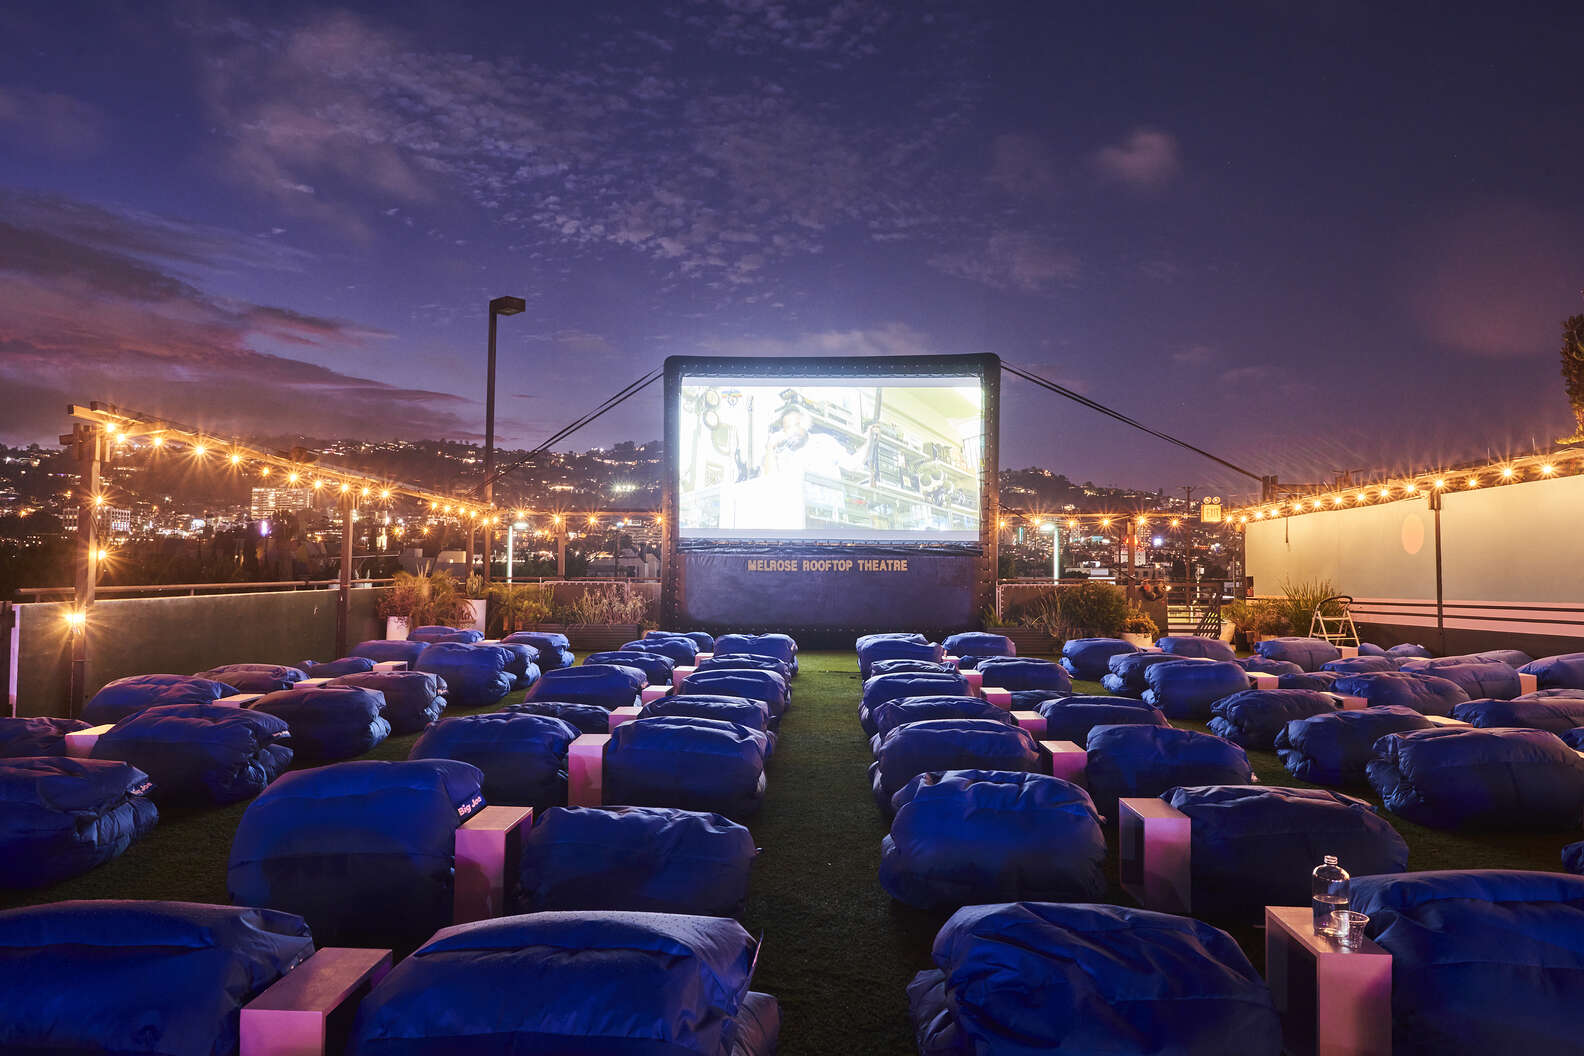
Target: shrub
1299,601
1139,622
513,607
609,603
427,600
1090,610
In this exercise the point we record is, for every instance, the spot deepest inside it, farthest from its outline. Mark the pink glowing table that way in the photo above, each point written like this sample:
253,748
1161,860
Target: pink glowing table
240,700
1031,721
309,683
586,770
312,1003
650,694
1067,760
621,715
1348,651
80,743
1351,703
488,852
1332,1001
1526,683
1263,680
975,681
1001,698
1154,853
679,673
390,665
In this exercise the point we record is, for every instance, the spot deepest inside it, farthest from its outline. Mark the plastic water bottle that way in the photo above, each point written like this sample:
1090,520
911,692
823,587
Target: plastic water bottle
1332,891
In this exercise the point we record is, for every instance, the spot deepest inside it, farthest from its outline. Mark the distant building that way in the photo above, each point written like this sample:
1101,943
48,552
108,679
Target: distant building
117,521
269,501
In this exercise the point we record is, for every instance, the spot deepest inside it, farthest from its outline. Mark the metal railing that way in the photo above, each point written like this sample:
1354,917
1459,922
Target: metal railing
193,589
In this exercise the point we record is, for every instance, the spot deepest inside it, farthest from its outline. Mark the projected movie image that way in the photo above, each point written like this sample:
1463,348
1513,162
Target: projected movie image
896,459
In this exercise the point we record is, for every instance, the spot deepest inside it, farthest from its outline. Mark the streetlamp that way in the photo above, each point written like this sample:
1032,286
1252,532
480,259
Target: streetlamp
511,530
1050,526
497,307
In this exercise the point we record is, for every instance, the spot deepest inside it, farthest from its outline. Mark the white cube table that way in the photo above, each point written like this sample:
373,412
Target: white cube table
1332,1001
390,665
80,743
1067,760
1527,683
1031,721
586,770
1264,680
1001,698
1348,651
308,683
240,700
679,673
621,715
1154,853
975,681
488,854
650,694
306,1007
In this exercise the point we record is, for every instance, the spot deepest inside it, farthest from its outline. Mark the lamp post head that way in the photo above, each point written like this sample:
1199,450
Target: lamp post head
507,306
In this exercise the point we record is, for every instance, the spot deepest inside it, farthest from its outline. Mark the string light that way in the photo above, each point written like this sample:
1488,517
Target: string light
1363,496
1440,482
200,450
292,478
1411,489
158,441
1507,472
1473,482
385,494
1548,469
264,472
236,459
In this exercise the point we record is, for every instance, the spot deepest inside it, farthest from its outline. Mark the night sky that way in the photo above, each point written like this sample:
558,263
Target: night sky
1306,236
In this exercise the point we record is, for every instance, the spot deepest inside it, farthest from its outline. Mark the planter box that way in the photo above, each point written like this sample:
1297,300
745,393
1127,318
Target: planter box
1030,641
396,628
480,607
593,637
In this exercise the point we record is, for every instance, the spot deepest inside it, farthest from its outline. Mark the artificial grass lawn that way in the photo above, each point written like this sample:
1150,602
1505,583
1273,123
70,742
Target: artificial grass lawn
838,952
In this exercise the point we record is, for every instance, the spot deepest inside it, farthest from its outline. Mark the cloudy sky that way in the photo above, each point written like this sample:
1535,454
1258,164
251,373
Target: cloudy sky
1306,236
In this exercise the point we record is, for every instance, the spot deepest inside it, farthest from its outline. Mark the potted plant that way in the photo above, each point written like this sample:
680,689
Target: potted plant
1092,610
602,616
517,607
1139,629
476,598
418,601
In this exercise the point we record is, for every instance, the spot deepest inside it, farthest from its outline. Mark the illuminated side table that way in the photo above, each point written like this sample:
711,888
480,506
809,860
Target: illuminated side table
1332,1001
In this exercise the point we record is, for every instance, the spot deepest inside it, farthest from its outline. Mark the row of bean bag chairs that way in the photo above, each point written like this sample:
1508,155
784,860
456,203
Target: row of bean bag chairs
1483,960
744,711
916,748
1254,717
1311,654
1141,759
1334,748
874,650
120,976
201,753
887,716
962,837
683,652
685,762
1087,658
1425,693
438,633
476,676
523,757
1511,657
979,643
702,639
413,699
385,651
347,665
60,817
1556,710
744,662
607,686
905,636
635,859
899,667
1459,777
254,678
1189,690
882,689
1557,672
583,982
657,668
327,722
127,696
1013,979
776,646
1023,672
522,662
1252,847
753,683
1476,677
364,851
1195,646
36,736
1071,718
555,651
1125,671
587,718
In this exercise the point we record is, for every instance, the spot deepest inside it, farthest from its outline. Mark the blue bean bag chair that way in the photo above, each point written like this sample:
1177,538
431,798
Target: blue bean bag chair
1139,760
253,678
127,977
896,649
1483,961
746,682
128,696
1457,777
383,651
1254,717
1558,713
347,665
589,982
1311,654
893,713
522,662
433,634
1573,857
1195,646
201,753
523,757
1424,693
1361,665
905,636
1514,658
1014,979
60,817
555,651
1477,678
1071,718
1320,680
1126,677
637,859
903,667
882,689
754,714
413,699
329,722
682,652
1557,672
656,668
688,763
1253,847
605,685
364,851
704,640
777,646
1189,690
1369,649
743,662
1088,658
1023,672
474,678
1574,739
923,747
588,718
1031,699
965,837
978,643
1260,665
1334,748
1406,651
36,736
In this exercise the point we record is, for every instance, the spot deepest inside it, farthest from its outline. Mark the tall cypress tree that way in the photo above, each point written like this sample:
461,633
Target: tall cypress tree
1573,370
